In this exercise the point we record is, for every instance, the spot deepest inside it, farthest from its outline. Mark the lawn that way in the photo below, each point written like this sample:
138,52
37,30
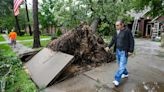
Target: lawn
30,44
1,38
28,37
22,83
107,40
17,80
6,49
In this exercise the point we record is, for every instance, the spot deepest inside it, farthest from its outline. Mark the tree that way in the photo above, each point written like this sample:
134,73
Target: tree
36,43
23,21
6,12
157,6
7,19
6,7
7,23
69,13
48,14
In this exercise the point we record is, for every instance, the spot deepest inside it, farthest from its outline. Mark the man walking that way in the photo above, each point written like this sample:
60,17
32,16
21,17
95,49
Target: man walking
12,37
123,42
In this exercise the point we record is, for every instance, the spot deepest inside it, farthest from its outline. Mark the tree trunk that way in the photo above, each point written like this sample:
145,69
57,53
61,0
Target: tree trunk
17,26
95,24
28,19
36,43
47,30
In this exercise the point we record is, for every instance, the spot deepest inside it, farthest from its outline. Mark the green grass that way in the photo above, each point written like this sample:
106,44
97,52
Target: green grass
1,38
7,49
28,37
45,42
22,82
30,44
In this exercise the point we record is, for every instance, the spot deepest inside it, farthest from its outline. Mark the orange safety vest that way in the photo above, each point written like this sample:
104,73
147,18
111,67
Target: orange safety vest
12,35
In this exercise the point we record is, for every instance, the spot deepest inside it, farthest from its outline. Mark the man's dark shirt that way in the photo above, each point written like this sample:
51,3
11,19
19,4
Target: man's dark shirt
123,41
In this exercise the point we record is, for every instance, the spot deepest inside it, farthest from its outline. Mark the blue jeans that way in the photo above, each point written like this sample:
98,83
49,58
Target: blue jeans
122,62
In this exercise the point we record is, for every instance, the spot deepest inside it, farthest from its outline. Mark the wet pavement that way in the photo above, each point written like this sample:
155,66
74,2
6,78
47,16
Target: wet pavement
146,73
149,87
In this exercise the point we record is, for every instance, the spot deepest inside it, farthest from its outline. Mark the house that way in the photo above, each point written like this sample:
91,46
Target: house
149,27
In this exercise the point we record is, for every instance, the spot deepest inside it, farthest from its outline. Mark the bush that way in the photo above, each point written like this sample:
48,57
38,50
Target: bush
54,36
8,66
103,29
58,33
138,34
12,76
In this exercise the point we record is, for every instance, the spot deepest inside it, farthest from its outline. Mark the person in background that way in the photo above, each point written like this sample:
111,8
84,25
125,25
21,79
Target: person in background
12,37
123,42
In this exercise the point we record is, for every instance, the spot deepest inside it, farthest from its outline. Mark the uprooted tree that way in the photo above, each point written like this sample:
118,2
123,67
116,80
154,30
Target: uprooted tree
84,44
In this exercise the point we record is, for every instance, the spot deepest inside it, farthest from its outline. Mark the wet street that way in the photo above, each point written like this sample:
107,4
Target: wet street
146,73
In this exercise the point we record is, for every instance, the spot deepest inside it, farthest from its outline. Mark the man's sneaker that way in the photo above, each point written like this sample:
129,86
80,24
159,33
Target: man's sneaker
124,76
116,83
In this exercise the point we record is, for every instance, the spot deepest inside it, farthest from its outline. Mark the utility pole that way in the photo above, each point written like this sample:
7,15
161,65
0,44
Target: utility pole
28,18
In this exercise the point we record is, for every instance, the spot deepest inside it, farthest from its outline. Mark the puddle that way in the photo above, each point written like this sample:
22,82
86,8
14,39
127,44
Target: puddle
149,87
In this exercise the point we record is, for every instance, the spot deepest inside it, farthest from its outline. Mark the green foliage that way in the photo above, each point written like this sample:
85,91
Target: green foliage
69,13
7,19
22,83
12,76
6,63
104,29
107,39
6,14
1,38
6,7
54,36
157,6
46,13
23,18
6,49
8,22
58,33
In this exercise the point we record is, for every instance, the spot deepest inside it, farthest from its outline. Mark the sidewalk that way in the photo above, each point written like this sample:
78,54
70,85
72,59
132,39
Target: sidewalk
20,49
146,74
